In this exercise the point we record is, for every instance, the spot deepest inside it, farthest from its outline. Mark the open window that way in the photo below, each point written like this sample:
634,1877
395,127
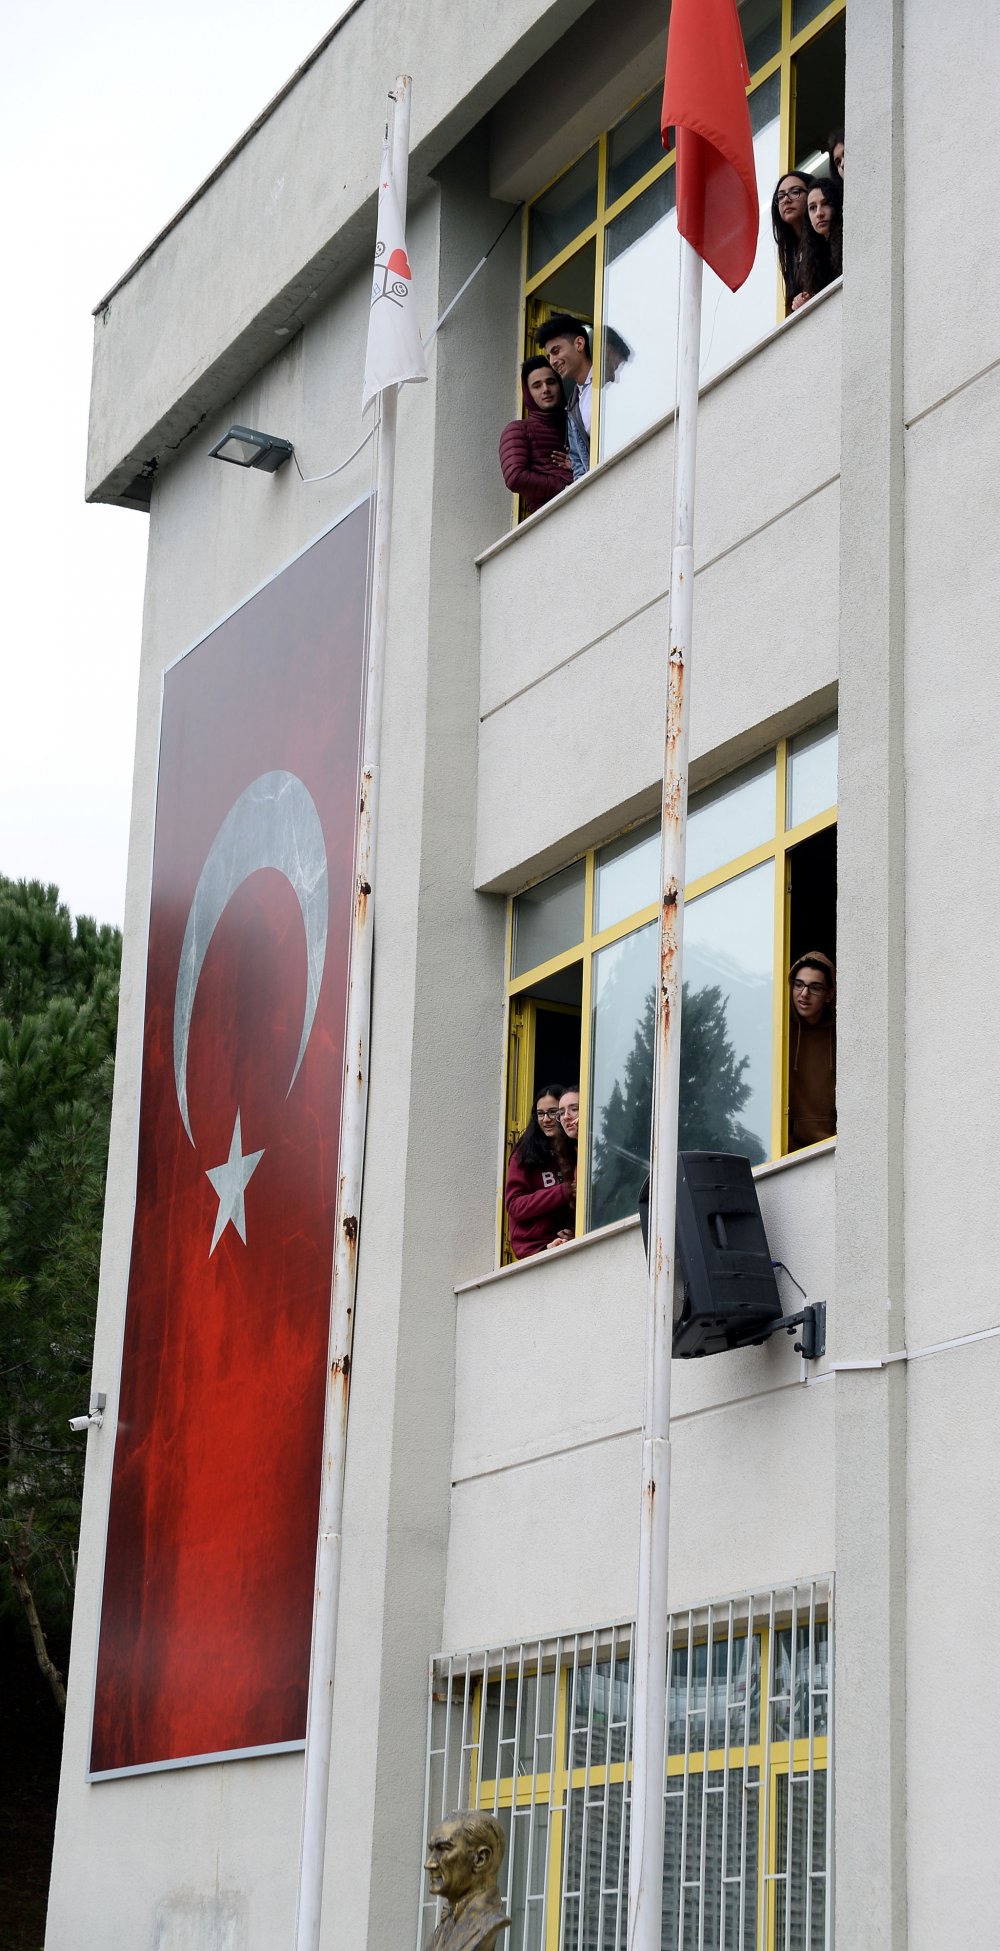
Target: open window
582,962
601,241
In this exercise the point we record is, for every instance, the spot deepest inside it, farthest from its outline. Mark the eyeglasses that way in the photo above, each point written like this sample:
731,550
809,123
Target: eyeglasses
569,1111
783,195
809,988
543,1116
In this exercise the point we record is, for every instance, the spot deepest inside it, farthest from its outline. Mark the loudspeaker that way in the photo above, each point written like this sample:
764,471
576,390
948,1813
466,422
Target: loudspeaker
725,1293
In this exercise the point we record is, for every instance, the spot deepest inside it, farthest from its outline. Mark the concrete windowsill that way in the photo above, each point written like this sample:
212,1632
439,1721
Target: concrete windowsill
587,1241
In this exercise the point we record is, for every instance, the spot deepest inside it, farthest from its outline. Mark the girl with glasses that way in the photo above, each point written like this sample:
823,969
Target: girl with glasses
788,221
540,1193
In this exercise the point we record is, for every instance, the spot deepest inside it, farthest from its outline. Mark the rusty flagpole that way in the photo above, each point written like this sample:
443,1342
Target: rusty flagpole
323,1659
650,1668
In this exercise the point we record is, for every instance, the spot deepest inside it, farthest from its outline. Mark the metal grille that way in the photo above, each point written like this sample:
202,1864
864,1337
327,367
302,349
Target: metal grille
540,1733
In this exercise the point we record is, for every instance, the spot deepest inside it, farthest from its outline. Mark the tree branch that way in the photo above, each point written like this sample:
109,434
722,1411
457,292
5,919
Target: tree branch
46,1665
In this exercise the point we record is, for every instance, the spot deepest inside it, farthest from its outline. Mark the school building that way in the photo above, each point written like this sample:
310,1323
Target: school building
835,1534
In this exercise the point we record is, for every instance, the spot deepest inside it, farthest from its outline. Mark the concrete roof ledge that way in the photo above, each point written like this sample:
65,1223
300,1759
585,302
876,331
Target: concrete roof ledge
264,241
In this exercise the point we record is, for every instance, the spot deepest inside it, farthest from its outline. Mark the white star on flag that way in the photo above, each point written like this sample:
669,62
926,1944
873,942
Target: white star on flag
395,353
230,1182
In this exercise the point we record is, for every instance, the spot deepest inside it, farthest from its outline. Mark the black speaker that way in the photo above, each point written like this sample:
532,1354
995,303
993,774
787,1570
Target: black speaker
725,1293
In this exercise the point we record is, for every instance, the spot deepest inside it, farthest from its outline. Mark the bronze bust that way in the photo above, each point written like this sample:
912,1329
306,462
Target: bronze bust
464,1854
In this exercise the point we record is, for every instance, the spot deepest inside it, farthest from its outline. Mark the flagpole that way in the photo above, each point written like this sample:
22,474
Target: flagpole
650,1655
323,1658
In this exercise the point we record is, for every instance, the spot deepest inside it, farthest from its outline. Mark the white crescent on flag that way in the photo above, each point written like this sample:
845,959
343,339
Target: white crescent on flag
395,352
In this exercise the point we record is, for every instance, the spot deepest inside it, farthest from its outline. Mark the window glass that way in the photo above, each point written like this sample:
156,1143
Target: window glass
733,321
727,1017
524,1872
641,281
812,771
726,1032
803,11
508,1743
634,146
627,877
686,1708
803,1895
621,1083
760,21
563,211
640,307
704,1824
811,1688
548,919
598,1719
727,819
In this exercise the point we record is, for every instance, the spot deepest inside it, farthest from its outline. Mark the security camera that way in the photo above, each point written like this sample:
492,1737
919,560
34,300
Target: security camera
95,1417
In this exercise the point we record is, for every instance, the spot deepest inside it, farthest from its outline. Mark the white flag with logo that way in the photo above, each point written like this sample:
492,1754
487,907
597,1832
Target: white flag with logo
395,353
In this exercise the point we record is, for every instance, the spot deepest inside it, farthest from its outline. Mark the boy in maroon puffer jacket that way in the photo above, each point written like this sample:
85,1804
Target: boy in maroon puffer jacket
533,454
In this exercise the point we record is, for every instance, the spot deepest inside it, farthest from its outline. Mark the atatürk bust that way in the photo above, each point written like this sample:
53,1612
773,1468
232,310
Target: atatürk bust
464,1854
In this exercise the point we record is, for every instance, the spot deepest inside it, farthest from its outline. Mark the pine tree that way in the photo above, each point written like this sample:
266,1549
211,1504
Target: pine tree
713,1092
58,1019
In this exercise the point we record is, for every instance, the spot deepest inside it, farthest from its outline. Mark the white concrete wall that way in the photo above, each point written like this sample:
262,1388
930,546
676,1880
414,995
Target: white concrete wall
952,1681
548,1406
574,611
951,1124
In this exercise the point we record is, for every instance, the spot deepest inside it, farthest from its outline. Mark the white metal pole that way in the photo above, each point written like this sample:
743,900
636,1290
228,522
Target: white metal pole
649,1711
323,1659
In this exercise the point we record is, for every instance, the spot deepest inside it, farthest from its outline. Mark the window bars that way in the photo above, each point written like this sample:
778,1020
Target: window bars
541,1734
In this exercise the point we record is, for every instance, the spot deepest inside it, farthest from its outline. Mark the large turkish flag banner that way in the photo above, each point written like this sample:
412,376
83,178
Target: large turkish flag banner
210,1562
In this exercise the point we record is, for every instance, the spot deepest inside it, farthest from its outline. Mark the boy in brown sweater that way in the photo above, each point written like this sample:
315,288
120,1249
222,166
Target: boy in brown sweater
812,1051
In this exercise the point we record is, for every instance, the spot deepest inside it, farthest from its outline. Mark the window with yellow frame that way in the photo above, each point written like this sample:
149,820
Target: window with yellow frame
601,241
582,955
541,1736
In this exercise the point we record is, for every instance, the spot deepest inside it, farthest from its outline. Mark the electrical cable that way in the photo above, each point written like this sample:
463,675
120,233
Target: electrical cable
791,1276
308,479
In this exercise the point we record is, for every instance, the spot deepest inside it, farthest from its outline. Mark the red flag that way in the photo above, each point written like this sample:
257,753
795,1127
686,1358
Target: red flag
704,98
211,1544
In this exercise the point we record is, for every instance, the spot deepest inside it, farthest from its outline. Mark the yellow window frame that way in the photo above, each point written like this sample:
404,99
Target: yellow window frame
771,1759
781,63
786,838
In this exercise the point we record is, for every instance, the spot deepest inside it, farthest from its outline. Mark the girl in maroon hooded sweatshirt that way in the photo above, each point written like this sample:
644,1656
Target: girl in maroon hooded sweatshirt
540,1194
533,452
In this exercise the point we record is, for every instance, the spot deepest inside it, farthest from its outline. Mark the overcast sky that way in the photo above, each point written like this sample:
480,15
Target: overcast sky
113,113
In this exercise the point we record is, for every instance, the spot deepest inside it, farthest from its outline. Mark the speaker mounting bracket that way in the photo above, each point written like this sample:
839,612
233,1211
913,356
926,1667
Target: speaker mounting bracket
812,1321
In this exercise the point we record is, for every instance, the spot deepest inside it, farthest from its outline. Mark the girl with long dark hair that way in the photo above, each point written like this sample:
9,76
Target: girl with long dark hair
540,1193
788,222
822,254
533,455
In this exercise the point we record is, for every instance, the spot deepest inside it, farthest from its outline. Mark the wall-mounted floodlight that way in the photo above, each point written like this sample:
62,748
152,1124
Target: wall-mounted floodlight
245,447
